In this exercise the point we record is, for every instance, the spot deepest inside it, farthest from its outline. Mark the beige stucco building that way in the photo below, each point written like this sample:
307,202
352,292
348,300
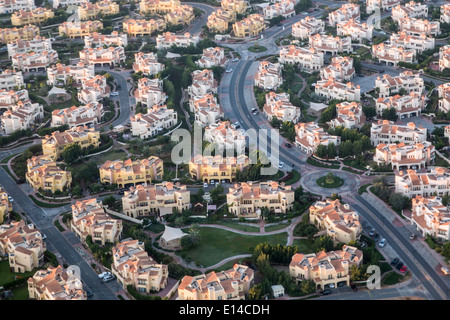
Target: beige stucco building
402,157
308,136
431,217
5,205
79,29
8,35
385,131
43,173
217,168
412,183
89,11
33,16
407,80
250,26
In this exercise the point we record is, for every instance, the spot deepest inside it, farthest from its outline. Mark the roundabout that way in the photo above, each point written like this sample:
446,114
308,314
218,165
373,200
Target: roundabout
338,182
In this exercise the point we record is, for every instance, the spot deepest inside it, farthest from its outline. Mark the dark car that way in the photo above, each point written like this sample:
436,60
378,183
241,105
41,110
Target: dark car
395,261
399,265
376,237
279,24
372,232
326,292
89,293
288,145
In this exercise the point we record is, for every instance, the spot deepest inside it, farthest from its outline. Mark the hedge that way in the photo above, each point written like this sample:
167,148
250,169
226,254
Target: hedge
139,296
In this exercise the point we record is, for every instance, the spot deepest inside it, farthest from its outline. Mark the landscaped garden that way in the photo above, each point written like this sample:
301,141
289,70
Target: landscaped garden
330,181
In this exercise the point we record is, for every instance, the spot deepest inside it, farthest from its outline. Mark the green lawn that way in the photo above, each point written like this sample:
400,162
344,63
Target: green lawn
217,244
392,278
276,227
110,155
7,276
257,49
20,292
304,245
338,182
238,226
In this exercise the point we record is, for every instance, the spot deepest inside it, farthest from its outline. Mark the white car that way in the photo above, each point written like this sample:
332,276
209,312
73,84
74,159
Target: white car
114,94
229,70
43,236
104,274
234,59
382,243
281,165
205,185
10,199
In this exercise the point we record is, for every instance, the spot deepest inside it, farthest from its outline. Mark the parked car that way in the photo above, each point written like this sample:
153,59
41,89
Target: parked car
234,59
104,274
279,24
10,199
372,232
205,185
229,70
445,270
326,292
288,145
281,165
382,243
399,265
395,261
89,293
114,94
412,236
403,269
43,236
376,237
108,278
332,285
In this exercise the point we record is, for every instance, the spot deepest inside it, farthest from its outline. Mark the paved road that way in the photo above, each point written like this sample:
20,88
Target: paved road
124,99
197,25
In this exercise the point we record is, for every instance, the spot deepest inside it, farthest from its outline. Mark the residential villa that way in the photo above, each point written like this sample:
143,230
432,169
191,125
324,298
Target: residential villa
31,16
66,3
33,61
325,268
8,35
418,43
79,29
402,156
445,13
247,199
393,54
308,136
129,172
268,75
434,181
55,283
21,116
279,106
90,219
340,222
9,98
238,6
181,15
93,89
150,92
356,30
330,44
386,132
339,69
90,113
43,173
219,20
216,168
232,284
406,106
308,59
206,109
417,27
348,11
444,97
37,45
5,205
53,145
59,74
169,39
372,5
284,8
133,266
406,81
212,57
143,27
156,199
96,40
103,57
409,10
348,115
306,27
147,63
250,26
203,83
153,7
9,6
89,11
154,122
23,246
332,89
444,57
11,79
225,137
431,217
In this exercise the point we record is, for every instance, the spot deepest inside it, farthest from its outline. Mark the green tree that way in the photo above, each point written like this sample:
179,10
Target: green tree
321,151
307,286
71,153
